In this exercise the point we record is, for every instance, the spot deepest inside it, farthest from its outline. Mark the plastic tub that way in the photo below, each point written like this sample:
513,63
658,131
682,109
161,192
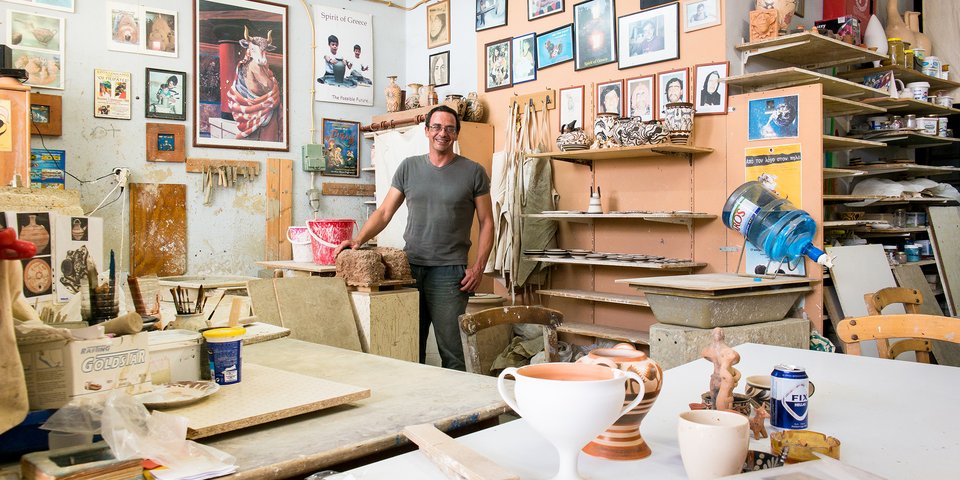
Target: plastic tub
327,235
299,239
223,348
174,356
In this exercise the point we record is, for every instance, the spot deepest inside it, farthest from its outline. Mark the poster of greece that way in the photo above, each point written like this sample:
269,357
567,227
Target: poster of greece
344,56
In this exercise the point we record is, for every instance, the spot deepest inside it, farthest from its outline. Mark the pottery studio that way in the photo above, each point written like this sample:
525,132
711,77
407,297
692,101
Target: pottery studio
490,240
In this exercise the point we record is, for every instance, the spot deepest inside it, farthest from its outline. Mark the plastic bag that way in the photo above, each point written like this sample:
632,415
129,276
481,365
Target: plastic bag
81,415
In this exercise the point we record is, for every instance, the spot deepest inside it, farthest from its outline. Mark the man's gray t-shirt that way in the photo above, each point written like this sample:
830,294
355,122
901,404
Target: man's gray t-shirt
440,206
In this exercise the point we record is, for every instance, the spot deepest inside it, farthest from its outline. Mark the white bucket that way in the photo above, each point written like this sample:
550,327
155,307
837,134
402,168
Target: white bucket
174,356
299,238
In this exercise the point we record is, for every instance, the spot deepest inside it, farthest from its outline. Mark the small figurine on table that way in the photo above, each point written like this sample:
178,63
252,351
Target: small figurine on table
724,378
756,421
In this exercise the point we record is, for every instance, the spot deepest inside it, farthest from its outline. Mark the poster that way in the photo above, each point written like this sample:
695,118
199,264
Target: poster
778,169
6,133
47,168
341,148
112,97
136,29
344,56
35,227
773,118
37,45
77,239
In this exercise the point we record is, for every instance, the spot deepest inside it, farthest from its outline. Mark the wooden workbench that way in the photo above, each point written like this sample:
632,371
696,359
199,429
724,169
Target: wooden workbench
402,393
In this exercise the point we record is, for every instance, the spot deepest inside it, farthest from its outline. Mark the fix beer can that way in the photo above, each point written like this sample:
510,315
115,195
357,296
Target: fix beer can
789,387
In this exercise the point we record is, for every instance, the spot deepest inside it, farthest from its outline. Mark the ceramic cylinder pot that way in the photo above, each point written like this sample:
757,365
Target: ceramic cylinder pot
605,130
622,441
35,234
678,118
474,109
392,94
713,443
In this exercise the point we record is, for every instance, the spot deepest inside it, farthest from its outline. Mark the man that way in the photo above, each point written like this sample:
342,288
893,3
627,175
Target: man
442,190
674,90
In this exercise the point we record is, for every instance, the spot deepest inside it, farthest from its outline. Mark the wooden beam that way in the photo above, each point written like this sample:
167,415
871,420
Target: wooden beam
279,209
453,458
349,189
197,165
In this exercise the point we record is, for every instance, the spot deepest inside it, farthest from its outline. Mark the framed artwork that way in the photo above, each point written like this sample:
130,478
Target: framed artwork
164,95
62,5
595,39
800,8
160,32
673,86
123,27
542,8
344,56
699,14
438,24
112,98
491,14
37,45
254,113
497,65
524,58
571,106
135,29
641,101
165,142
711,92
649,36
555,47
46,114
609,97
773,118
645,4
47,168
440,69
341,148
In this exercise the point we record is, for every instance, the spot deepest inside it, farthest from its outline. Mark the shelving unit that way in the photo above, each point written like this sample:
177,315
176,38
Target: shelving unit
833,143
841,107
616,263
662,151
914,140
907,75
831,173
634,300
910,105
794,76
808,50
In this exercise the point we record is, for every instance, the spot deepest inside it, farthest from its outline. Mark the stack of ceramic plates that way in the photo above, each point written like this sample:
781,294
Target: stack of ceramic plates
574,146
533,253
555,252
595,256
576,252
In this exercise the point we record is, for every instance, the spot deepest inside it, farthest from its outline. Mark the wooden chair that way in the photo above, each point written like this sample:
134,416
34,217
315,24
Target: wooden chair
472,324
911,300
915,327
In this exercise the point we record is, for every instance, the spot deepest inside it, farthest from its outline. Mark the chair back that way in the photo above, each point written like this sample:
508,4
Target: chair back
911,300
918,328
473,323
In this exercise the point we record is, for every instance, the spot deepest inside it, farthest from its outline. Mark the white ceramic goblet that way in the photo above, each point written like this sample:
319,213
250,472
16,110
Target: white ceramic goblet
713,443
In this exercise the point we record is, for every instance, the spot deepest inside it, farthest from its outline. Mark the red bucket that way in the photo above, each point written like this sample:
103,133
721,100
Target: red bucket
327,235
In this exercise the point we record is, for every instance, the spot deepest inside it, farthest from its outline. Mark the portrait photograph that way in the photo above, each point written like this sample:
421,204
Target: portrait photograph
773,118
609,97
440,69
673,86
555,47
497,65
438,24
699,14
542,8
164,96
344,56
571,106
641,101
595,42
491,14
710,90
341,148
649,36
524,58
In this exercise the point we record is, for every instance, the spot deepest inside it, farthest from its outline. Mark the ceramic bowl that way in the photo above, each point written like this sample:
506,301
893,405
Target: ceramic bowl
802,443
741,402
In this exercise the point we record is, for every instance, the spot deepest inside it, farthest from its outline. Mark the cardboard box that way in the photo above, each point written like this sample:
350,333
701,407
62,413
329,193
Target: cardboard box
56,372
847,25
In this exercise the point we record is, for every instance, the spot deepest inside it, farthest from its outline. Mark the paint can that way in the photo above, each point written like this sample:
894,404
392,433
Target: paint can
299,239
223,348
327,235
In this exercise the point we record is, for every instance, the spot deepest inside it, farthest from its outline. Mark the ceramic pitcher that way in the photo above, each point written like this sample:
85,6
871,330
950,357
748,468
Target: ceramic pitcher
392,93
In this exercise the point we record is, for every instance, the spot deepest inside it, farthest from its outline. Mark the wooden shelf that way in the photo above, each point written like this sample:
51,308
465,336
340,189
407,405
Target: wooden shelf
915,140
615,263
834,143
838,224
883,200
921,263
908,168
661,150
829,173
902,106
608,333
840,107
867,229
907,75
635,300
676,218
810,50
793,76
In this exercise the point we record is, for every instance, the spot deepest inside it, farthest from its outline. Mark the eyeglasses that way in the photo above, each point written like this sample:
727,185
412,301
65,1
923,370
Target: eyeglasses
436,127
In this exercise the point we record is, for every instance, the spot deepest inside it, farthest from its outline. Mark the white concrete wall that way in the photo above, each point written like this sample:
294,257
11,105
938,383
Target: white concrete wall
462,46
226,237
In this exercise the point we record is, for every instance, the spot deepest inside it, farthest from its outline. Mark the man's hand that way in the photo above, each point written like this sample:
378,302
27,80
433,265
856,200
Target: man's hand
344,245
471,279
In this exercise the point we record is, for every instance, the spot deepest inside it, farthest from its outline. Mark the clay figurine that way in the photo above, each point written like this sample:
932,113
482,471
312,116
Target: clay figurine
763,24
756,421
724,378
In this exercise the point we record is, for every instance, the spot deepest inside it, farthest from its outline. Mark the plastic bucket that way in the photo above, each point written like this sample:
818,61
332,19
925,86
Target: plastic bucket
223,348
326,236
299,238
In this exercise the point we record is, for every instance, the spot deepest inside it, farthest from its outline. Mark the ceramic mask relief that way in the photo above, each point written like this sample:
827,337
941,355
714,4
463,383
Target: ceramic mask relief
678,118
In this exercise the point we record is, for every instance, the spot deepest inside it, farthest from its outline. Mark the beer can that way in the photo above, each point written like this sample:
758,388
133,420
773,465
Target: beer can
789,387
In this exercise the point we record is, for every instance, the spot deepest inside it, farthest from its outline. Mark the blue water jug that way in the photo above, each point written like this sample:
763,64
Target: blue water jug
772,224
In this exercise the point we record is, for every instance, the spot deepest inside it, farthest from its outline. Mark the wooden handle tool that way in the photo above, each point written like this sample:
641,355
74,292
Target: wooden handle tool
235,313
454,459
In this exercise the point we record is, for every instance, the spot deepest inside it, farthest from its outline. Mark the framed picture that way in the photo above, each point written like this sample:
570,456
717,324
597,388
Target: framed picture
645,4
595,40
160,32
46,114
641,101
165,142
800,8
497,65
62,5
772,118
711,92
37,44
524,58
341,148
254,114
555,47
699,14
112,98
440,69
491,14
123,27
542,8
346,56
649,36
438,24
609,97
571,106
164,95
673,86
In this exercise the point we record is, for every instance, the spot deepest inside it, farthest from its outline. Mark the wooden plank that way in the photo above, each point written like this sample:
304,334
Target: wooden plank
603,331
713,282
794,76
452,458
389,322
945,235
809,49
635,300
661,150
264,395
840,107
834,143
263,301
616,263
910,276
904,74
405,115
279,209
299,266
158,229
385,285
835,313
197,165
349,189
544,97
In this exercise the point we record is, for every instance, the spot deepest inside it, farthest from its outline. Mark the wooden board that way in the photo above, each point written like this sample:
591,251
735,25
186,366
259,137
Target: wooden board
602,331
454,459
177,131
197,165
404,115
264,395
158,229
384,285
910,276
279,209
712,283
349,189
832,304
945,235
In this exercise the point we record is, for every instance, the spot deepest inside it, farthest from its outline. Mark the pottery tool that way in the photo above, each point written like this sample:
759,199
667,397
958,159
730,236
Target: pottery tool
235,312
455,460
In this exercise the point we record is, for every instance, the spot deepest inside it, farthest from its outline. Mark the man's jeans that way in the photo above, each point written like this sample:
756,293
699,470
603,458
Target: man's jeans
441,302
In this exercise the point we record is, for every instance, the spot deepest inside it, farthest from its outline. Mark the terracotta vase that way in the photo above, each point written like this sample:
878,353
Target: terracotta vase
896,27
413,96
784,8
920,39
392,92
678,118
875,37
36,234
78,230
622,441
474,109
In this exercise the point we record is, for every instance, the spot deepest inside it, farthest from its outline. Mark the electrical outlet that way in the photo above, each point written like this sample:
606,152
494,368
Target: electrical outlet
121,175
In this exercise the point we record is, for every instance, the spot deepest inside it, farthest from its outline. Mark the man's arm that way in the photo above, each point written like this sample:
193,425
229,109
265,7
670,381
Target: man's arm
473,276
377,222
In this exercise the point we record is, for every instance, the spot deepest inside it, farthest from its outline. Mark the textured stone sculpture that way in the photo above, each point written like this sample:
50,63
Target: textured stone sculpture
763,24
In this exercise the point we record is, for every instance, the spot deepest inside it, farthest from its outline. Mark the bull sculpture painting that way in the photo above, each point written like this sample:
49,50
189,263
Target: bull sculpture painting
254,97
